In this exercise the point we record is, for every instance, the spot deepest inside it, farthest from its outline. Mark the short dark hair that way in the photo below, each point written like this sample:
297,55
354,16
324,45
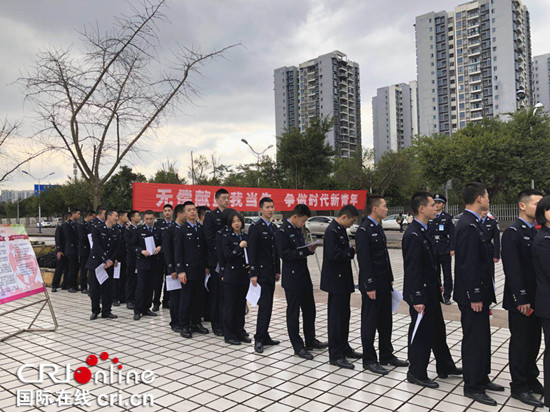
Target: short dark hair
542,208
220,192
372,201
231,217
265,200
301,210
203,210
167,205
148,212
75,210
101,209
179,209
225,215
524,194
471,192
109,212
419,199
187,203
90,213
122,212
132,212
349,211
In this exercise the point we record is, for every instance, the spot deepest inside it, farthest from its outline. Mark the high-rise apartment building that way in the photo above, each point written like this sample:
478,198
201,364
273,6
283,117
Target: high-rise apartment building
541,80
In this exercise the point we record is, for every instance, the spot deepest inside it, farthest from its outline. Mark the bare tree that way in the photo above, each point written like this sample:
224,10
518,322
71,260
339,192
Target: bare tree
198,170
98,102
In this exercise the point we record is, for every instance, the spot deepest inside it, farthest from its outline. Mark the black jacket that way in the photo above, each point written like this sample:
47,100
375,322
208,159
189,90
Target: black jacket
493,232
122,229
541,259
212,223
295,272
375,271
190,251
138,245
336,274
59,239
236,268
168,247
70,236
107,246
442,230
473,262
129,242
220,258
83,230
421,271
262,251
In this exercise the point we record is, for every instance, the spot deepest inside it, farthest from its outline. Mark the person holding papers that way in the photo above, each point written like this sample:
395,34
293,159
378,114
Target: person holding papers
297,282
337,280
265,269
235,281
519,300
103,258
474,292
375,284
146,244
168,236
422,291
190,254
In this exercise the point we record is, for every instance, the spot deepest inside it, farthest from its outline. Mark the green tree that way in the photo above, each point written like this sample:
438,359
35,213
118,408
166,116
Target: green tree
355,172
117,192
168,173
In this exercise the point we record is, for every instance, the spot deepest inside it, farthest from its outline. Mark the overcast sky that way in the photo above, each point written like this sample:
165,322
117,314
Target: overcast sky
236,92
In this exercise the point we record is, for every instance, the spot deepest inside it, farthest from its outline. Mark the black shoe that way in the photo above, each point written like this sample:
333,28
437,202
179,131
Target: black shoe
395,362
233,341
93,316
137,316
259,347
149,313
481,398
491,386
186,333
376,368
304,354
85,291
271,342
354,355
316,344
444,375
130,306
155,308
54,290
199,329
109,316
342,363
177,329
218,332
528,399
447,302
64,288
72,290
116,303
537,388
245,339
428,383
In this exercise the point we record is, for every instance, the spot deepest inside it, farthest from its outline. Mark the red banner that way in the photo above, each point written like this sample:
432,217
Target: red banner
154,196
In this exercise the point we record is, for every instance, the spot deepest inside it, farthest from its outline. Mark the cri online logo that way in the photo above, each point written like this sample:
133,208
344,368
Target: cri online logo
83,374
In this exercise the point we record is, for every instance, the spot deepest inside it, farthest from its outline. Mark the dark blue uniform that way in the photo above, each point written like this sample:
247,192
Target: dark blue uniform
159,281
190,253
70,236
337,280
148,267
120,283
131,258
442,230
296,282
107,246
519,289
213,224
474,283
61,266
375,273
422,286
236,279
264,264
83,229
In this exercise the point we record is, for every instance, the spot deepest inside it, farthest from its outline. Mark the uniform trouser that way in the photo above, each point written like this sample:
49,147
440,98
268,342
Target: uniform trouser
83,272
61,267
165,296
476,347
524,348
215,285
144,290
546,363
234,305
430,336
297,299
376,315
447,281
191,302
120,284
158,280
338,325
72,272
264,311
131,283
103,293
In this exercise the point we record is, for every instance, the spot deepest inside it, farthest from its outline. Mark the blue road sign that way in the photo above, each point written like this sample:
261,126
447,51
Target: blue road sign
43,188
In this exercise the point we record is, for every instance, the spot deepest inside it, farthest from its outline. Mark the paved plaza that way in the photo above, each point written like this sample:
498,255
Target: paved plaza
205,374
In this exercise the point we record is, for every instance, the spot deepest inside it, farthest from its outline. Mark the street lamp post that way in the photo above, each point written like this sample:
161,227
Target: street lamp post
39,208
258,155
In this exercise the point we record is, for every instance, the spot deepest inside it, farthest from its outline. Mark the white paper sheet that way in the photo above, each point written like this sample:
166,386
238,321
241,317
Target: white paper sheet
172,284
309,244
90,240
206,281
245,256
396,298
253,295
418,319
101,274
150,244
116,273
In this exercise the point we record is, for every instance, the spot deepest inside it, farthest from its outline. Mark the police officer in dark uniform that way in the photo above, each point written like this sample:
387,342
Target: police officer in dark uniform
375,284
61,266
442,228
131,258
70,236
519,299
474,292
212,224
422,291
265,270
490,224
297,282
169,252
190,253
99,219
337,280
120,283
106,250
84,229
158,282
148,264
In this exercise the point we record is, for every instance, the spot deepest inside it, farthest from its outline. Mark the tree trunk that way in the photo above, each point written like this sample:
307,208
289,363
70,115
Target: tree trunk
96,192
